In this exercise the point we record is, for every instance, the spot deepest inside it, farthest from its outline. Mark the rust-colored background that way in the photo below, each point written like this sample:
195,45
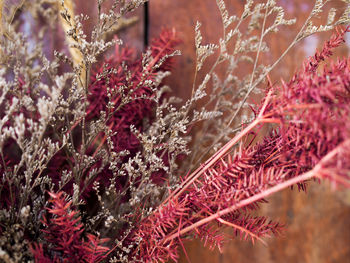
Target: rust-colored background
317,223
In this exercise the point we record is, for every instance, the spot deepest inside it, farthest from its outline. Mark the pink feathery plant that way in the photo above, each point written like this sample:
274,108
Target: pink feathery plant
309,139
64,237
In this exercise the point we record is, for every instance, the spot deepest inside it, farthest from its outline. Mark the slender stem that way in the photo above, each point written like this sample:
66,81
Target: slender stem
240,228
259,46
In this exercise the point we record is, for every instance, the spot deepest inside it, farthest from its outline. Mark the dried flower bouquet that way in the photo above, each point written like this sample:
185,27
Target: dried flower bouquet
94,148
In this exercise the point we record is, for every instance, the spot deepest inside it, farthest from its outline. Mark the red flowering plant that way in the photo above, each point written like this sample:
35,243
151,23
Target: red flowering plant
90,143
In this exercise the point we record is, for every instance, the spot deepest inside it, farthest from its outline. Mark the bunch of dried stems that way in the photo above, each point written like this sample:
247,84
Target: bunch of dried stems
94,147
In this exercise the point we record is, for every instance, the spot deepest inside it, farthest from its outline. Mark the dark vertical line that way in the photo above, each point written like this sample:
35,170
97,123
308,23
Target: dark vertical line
146,25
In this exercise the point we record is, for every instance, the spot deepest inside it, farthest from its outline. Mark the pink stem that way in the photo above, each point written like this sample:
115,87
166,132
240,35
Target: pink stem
240,228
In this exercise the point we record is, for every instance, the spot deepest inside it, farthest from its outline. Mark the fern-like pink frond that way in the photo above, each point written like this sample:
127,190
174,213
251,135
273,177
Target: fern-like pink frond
63,236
